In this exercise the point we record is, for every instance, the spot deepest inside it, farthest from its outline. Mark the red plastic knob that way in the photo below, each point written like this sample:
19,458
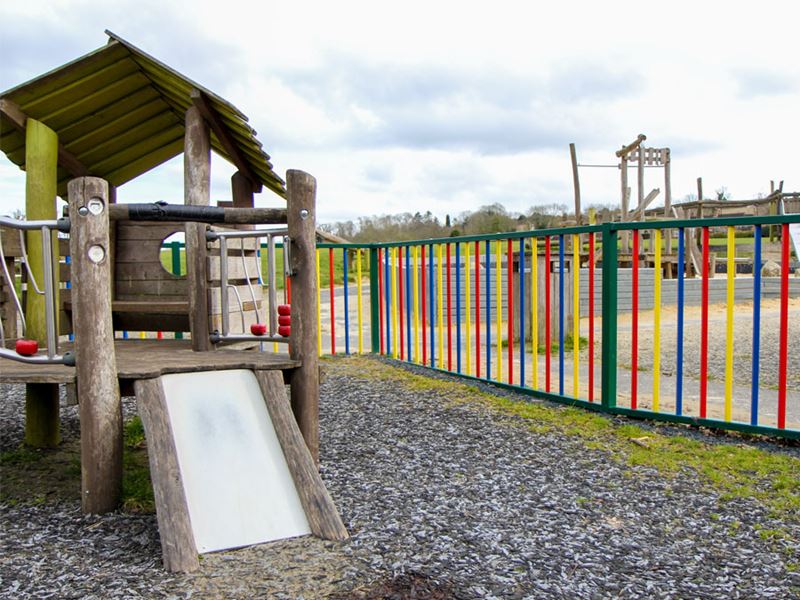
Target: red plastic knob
284,309
258,329
284,330
27,347
284,320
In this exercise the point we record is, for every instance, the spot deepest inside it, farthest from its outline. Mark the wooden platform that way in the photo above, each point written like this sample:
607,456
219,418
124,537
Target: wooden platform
146,359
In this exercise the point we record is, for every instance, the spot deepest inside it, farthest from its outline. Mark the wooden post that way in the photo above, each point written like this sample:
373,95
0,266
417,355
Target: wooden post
699,189
623,166
178,550
301,198
196,192
112,238
773,210
667,198
242,191
242,194
98,389
640,178
575,183
42,428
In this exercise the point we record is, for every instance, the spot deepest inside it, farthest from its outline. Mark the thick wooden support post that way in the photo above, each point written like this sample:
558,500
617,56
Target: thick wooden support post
41,158
302,188
323,518
98,390
640,179
242,191
178,549
242,194
667,200
196,192
624,200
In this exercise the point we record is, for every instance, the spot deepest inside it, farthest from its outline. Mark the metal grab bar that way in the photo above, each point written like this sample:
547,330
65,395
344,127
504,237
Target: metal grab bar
11,285
67,359
62,225
46,227
223,237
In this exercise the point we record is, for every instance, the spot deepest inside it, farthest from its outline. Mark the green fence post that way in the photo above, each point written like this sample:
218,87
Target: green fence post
176,258
609,316
176,270
374,308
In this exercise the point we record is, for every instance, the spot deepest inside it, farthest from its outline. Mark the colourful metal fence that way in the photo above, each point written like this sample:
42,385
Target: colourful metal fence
506,309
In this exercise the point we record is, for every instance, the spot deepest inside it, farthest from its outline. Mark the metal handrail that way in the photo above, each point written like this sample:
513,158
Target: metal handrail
223,237
46,228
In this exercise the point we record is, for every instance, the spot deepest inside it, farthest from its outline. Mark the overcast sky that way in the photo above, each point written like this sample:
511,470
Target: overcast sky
448,106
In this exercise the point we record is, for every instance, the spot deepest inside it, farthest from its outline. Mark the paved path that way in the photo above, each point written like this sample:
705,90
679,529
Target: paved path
742,357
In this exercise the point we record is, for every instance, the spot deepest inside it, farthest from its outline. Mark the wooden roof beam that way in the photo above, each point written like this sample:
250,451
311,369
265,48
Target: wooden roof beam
200,100
18,119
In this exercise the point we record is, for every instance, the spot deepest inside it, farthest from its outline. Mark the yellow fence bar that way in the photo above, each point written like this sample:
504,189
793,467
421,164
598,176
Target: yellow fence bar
657,320
731,275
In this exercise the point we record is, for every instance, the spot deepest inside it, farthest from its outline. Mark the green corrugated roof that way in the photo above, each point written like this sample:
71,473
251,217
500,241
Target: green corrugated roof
120,112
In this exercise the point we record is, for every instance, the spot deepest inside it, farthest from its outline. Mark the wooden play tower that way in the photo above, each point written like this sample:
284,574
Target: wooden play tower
80,132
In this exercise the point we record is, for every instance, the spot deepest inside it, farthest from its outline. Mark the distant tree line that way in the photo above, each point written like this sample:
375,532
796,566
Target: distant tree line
491,218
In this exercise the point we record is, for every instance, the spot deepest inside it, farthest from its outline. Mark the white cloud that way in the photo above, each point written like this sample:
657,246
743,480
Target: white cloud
447,106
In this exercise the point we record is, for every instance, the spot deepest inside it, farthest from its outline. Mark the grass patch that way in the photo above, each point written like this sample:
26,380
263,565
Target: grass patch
35,476
20,456
734,470
569,345
137,489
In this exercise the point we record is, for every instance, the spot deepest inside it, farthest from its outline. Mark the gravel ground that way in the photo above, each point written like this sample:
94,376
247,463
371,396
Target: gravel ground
470,503
742,348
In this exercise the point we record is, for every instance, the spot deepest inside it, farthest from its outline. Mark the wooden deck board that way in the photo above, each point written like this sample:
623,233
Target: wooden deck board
145,359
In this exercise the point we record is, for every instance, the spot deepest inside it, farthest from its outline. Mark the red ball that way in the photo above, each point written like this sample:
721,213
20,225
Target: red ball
258,329
284,320
284,330
27,347
284,309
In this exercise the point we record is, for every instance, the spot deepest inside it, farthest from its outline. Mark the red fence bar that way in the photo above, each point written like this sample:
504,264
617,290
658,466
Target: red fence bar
635,321
510,294
704,329
547,340
333,312
477,309
449,314
591,317
783,344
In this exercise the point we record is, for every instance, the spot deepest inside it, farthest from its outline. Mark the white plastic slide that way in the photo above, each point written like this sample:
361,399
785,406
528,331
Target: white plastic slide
238,487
